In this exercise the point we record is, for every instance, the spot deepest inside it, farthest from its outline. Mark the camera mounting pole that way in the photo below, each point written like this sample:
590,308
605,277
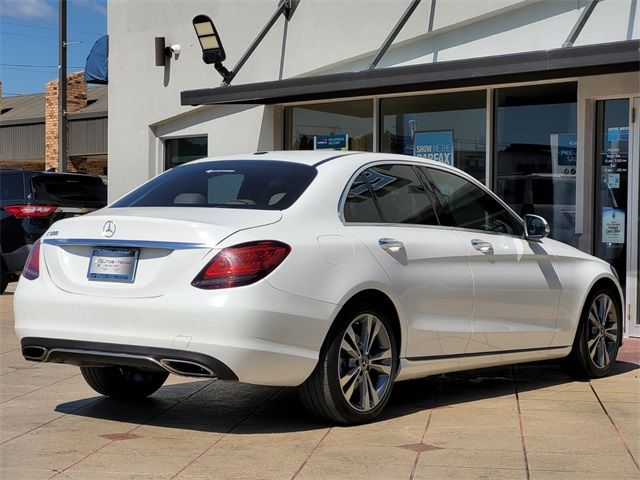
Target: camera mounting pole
394,32
285,7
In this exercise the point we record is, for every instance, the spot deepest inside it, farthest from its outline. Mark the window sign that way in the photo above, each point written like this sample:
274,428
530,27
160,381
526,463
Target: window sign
564,153
612,225
436,146
331,142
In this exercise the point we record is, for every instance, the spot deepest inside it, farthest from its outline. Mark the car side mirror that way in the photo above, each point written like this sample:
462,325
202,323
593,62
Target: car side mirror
535,227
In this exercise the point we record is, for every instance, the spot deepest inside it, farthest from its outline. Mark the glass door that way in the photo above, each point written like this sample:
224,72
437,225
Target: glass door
616,198
612,168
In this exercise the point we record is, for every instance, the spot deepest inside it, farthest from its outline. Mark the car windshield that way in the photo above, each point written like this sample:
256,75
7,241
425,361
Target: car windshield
69,190
244,184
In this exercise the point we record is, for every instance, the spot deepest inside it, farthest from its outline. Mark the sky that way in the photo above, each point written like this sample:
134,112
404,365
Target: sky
29,40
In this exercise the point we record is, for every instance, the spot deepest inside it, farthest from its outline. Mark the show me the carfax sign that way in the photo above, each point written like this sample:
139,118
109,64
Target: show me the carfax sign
435,145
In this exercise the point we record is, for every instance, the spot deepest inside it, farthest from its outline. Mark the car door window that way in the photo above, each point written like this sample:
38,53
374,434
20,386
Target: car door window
466,205
400,194
360,206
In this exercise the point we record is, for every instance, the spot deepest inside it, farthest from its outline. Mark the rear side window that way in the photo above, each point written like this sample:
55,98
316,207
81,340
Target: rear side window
466,205
243,184
69,190
401,196
12,187
360,206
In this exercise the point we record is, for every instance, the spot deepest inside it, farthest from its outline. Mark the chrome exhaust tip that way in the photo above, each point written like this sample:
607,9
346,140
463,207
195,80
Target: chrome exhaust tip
186,368
35,353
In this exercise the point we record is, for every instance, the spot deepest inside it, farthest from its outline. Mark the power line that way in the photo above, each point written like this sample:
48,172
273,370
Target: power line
50,28
27,35
31,65
38,36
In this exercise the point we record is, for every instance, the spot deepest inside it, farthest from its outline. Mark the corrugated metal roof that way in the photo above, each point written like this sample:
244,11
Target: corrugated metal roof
22,107
98,104
30,108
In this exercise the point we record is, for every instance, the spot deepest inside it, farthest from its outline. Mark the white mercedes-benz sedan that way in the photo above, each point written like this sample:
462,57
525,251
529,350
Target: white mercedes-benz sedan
338,272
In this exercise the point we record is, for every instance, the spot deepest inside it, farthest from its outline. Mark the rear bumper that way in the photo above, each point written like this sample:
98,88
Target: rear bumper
255,334
92,354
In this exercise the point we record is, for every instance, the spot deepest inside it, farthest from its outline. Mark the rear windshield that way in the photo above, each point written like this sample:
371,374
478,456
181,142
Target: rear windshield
69,190
246,184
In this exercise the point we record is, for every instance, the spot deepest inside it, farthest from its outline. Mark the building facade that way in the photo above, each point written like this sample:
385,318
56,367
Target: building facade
538,99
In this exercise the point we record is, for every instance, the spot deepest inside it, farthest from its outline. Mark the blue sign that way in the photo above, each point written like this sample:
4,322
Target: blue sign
331,142
567,149
436,146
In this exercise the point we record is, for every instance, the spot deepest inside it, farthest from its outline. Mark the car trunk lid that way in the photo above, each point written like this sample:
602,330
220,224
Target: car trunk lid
140,252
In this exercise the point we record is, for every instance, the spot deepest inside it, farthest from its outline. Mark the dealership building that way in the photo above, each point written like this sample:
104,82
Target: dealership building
538,99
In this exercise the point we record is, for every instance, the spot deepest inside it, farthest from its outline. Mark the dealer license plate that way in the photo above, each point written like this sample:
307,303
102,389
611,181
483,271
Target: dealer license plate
113,265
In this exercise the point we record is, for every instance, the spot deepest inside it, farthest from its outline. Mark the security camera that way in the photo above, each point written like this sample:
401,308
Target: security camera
173,50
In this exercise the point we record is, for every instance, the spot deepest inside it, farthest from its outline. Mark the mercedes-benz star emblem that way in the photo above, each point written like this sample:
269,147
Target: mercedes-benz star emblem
109,229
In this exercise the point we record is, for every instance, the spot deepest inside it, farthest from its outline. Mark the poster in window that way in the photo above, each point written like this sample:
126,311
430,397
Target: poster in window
331,142
564,153
434,145
613,225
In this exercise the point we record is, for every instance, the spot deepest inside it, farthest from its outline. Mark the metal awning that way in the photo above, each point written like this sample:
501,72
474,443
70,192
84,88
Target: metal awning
598,59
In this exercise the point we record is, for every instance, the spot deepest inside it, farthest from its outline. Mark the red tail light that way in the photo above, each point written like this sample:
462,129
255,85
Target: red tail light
31,269
26,211
242,264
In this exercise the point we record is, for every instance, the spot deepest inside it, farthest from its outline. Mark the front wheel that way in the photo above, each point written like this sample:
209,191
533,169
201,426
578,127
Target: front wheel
126,383
599,336
354,376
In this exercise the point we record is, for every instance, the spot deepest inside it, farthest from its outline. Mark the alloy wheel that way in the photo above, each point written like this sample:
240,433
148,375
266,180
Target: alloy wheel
603,332
365,362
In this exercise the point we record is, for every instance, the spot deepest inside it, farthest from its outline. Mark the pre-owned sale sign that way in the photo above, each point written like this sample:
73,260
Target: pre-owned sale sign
436,146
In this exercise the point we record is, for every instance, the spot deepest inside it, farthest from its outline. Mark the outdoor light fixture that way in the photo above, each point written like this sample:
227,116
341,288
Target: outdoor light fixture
212,49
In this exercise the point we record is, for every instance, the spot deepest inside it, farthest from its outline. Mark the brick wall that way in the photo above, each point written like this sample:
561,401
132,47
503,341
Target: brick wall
76,99
31,165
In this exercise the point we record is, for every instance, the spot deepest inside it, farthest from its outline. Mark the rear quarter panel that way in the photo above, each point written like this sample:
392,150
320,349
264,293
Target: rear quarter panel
326,263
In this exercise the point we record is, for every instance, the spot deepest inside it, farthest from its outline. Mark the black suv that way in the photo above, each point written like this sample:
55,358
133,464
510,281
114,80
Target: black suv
30,202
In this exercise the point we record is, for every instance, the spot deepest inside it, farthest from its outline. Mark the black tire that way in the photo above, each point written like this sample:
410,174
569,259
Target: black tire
322,394
5,277
4,282
581,362
123,382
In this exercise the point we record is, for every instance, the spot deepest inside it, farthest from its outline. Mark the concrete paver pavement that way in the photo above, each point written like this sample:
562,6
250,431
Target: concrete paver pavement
524,422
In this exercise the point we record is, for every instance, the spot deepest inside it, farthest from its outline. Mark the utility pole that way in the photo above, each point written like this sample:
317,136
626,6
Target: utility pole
62,86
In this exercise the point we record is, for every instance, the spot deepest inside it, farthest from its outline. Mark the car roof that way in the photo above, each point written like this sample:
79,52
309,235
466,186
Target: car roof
316,157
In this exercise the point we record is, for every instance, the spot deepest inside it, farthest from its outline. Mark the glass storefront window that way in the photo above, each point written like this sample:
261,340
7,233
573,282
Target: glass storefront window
182,150
448,127
332,126
612,165
535,156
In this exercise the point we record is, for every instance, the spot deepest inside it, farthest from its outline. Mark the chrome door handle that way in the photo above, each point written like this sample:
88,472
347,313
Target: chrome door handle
390,245
482,246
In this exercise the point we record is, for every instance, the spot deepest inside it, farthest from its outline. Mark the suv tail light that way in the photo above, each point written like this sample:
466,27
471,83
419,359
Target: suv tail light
26,211
31,269
242,265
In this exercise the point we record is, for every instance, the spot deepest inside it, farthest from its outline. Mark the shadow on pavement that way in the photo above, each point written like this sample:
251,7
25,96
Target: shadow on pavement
216,406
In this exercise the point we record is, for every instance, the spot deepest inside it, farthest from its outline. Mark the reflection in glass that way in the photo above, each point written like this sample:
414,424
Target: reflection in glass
182,150
536,161
612,164
334,126
448,127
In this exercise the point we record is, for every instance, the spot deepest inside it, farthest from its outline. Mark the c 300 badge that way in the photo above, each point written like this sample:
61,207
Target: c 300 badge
109,229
